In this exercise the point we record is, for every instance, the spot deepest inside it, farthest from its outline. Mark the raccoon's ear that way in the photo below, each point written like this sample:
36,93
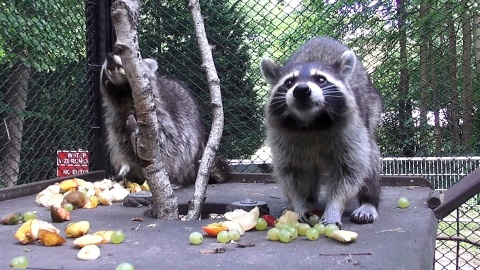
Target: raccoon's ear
152,64
269,70
348,60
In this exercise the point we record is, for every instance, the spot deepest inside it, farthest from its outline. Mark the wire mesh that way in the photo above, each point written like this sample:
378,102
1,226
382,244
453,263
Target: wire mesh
424,56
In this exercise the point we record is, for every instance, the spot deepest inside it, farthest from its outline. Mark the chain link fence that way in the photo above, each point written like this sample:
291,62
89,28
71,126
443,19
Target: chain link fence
424,56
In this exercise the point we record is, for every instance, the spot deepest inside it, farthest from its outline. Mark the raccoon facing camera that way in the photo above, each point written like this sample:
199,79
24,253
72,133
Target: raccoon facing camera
322,118
182,134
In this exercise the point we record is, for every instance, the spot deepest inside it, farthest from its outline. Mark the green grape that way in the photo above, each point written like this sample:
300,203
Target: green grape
29,215
293,230
272,234
313,219
234,234
330,228
196,238
223,237
261,224
117,237
294,224
125,266
19,262
68,207
285,236
320,228
280,225
403,202
302,229
312,234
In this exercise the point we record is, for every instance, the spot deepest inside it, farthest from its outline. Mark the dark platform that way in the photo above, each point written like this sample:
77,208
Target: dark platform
400,239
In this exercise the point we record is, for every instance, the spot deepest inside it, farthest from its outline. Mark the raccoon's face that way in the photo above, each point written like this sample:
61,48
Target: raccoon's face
309,96
114,72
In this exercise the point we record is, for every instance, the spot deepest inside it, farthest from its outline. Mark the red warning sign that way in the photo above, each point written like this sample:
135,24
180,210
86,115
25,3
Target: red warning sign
72,162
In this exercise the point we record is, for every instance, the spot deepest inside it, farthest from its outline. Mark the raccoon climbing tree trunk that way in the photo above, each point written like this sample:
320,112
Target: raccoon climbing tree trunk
125,16
195,205
12,122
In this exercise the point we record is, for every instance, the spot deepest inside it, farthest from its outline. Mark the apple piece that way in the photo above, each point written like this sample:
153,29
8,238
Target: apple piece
50,239
344,236
89,253
88,239
77,229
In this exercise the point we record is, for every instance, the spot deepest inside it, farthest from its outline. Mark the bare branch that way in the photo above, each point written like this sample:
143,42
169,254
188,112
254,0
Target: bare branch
195,206
125,15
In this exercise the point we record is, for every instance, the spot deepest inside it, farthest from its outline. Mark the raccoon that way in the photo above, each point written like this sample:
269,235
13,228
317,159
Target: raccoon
322,118
180,127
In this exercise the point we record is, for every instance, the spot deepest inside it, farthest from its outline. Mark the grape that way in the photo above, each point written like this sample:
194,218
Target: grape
29,215
320,228
313,219
117,237
125,266
285,236
196,238
403,202
280,225
261,224
312,234
330,228
302,229
68,207
223,237
234,234
294,224
272,234
293,230
19,262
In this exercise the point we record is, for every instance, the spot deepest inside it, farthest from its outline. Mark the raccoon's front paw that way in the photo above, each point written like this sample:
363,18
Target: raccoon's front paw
366,213
325,222
123,171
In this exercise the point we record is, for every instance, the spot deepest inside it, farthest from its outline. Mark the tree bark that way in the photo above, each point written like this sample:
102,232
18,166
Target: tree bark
125,16
467,93
424,81
196,204
17,86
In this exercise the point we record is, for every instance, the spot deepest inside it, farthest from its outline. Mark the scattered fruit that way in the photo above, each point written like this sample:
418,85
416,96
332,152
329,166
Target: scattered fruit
273,234
29,215
117,237
88,239
19,262
68,207
233,225
92,202
76,198
213,229
59,214
234,234
320,228
403,202
271,220
125,266
293,230
312,234
68,184
29,231
107,236
89,253
344,236
302,229
223,237
248,220
23,233
12,219
280,225
261,224
313,219
50,239
196,238
285,236
289,217
330,228
77,229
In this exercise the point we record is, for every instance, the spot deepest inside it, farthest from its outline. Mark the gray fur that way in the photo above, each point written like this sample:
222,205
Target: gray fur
322,119
181,131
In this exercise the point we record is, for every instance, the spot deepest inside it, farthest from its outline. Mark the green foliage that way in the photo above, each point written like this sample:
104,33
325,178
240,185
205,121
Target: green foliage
167,34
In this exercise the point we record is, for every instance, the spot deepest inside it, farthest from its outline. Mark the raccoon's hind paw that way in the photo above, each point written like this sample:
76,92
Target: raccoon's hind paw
366,213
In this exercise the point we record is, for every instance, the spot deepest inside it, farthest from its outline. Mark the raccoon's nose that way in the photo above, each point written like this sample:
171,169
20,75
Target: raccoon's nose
302,91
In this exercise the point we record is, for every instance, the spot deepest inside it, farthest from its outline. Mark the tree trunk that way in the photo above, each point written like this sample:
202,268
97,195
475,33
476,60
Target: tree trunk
125,16
435,97
424,81
196,204
452,82
467,124
12,122
404,103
